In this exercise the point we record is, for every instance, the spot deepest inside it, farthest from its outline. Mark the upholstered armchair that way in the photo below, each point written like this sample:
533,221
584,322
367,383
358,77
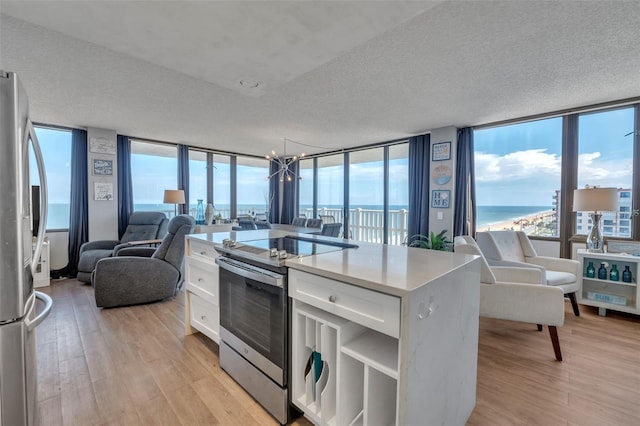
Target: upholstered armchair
127,279
143,226
513,248
517,294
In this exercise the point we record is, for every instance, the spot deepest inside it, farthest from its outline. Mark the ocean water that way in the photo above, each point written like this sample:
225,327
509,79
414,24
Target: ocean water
486,215
59,213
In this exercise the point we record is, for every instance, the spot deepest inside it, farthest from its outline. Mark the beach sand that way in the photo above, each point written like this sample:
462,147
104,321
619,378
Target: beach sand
524,223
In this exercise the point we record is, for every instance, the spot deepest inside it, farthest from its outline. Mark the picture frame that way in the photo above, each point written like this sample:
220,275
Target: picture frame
440,198
441,151
102,146
103,191
102,167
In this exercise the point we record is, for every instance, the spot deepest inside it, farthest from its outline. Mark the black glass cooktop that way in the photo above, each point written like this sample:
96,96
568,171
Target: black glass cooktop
296,246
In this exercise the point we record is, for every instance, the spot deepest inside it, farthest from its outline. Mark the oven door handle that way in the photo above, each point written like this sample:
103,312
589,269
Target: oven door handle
251,272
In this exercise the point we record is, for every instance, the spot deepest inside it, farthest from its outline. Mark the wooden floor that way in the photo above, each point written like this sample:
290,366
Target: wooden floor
134,366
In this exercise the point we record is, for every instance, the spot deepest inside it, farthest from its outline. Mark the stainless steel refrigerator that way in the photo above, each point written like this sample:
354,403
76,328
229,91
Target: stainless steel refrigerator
18,256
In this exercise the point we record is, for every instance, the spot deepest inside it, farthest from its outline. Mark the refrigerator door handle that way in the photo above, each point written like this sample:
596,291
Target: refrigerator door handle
33,323
31,133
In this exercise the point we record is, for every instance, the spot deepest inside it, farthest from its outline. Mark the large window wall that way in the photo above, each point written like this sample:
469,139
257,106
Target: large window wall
55,145
520,167
377,188
154,168
197,179
222,185
253,187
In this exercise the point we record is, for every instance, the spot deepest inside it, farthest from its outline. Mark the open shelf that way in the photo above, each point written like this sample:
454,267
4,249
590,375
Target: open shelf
376,350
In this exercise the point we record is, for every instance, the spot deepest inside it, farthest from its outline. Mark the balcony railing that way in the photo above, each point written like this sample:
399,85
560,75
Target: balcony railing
367,225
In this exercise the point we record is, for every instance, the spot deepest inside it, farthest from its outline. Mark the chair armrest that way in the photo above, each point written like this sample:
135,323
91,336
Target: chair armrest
136,251
519,275
99,245
536,304
128,244
556,264
131,280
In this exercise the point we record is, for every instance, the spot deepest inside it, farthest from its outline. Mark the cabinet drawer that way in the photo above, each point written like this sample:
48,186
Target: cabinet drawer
202,278
205,317
369,308
201,250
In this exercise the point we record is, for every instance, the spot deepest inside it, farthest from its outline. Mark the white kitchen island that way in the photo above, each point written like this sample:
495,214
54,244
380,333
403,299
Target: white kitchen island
394,329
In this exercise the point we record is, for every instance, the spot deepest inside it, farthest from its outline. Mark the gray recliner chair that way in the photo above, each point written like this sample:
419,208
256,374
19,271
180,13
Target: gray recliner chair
142,226
128,279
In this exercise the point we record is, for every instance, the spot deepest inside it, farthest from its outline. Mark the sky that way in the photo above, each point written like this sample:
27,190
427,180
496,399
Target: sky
520,164
515,165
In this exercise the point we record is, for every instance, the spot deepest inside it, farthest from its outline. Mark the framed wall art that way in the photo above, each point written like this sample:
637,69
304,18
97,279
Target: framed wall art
440,198
102,167
441,151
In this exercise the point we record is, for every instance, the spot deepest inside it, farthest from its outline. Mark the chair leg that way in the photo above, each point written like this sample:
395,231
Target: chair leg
574,304
553,332
539,327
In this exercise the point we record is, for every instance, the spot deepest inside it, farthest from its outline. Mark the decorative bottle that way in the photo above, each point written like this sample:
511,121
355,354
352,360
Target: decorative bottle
613,274
626,274
602,272
200,213
208,214
591,271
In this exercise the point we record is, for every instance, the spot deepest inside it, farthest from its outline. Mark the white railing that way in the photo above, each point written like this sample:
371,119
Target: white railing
367,225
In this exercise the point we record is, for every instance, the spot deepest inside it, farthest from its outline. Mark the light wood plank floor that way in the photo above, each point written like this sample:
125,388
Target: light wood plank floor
134,366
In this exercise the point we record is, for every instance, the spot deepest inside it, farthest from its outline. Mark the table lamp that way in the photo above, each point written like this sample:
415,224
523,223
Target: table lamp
175,197
595,200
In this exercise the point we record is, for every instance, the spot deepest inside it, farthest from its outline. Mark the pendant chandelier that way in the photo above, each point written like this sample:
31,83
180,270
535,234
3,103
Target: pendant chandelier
284,162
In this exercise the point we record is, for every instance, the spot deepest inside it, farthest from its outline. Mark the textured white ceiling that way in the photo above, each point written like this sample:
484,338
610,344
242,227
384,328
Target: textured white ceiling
332,74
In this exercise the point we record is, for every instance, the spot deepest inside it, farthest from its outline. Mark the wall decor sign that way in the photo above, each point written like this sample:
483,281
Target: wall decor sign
102,146
103,191
102,167
440,198
441,174
441,151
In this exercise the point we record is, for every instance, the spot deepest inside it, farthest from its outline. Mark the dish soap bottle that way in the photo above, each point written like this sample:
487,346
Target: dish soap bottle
591,271
602,272
613,274
626,274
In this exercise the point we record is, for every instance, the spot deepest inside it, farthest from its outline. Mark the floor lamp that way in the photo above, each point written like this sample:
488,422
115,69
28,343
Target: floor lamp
595,200
175,197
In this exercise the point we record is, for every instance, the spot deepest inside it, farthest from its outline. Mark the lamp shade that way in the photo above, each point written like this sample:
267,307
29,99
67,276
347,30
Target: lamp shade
174,196
595,199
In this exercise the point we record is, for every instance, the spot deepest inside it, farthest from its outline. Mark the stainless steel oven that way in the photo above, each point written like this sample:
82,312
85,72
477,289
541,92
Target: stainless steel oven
253,331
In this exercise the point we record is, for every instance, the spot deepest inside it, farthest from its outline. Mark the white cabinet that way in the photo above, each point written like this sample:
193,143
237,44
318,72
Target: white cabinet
202,311
384,359
41,277
604,292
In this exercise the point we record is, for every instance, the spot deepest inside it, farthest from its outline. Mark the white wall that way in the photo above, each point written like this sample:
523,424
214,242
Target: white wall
442,218
103,215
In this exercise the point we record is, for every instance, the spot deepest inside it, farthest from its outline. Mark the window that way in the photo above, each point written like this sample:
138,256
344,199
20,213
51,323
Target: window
398,192
222,185
305,188
366,195
605,159
252,186
197,179
55,145
154,168
518,174
331,186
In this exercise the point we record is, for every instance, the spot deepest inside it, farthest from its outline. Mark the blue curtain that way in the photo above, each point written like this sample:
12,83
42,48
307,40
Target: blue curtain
419,151
125,188
290,194
79,204
183,177
464,214
274,192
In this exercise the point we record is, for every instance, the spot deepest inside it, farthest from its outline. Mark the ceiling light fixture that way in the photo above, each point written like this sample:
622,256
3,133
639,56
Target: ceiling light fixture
284,162
249,84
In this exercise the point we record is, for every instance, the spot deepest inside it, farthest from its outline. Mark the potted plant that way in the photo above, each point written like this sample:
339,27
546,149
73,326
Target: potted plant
432,242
